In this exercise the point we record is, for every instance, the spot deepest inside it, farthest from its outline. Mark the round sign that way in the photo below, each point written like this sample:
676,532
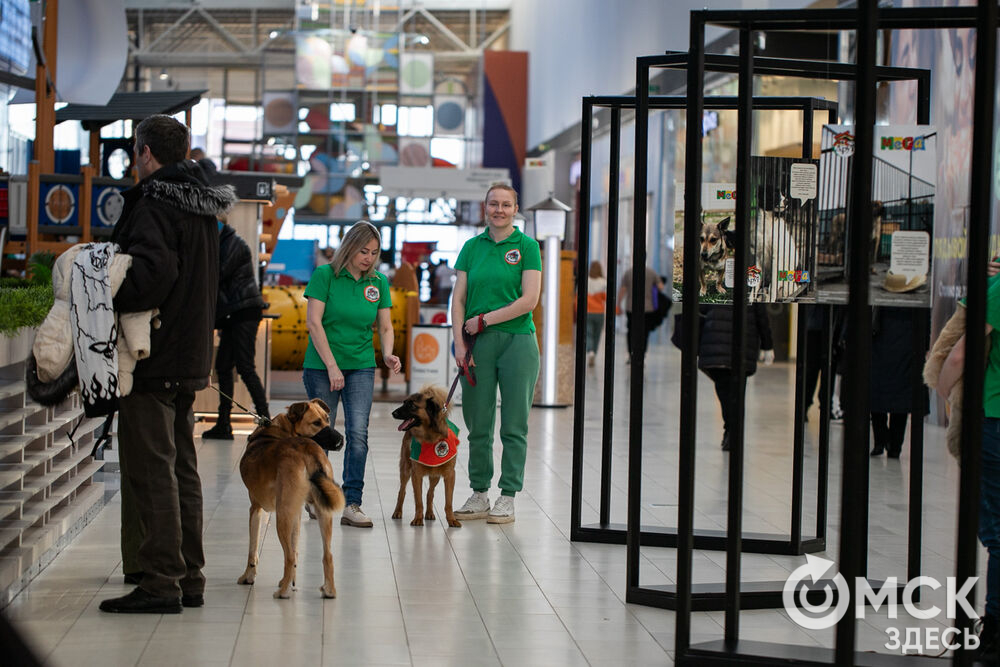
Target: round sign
109,206
425,348
60,204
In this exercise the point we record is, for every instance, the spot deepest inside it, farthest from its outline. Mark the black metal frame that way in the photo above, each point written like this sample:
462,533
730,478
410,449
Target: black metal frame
615,533
865,20
707,596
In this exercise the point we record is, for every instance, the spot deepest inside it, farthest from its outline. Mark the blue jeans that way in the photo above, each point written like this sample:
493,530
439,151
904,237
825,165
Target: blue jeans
357,395
989,512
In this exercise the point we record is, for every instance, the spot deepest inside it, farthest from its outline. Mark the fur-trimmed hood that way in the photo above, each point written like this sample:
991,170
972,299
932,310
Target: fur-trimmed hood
183,185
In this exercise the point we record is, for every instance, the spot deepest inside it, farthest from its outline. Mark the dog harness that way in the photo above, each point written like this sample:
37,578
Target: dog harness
433,454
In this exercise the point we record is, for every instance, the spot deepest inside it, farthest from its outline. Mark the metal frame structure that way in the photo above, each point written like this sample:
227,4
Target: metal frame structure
865,20
711,596
615,533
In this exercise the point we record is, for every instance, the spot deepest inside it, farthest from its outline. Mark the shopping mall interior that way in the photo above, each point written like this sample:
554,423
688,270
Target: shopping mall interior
772,482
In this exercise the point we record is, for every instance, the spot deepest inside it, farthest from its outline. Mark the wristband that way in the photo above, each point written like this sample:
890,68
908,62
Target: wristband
482,322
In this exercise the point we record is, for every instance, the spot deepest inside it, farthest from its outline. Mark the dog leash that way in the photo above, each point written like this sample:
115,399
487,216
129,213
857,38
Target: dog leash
463,367
262,421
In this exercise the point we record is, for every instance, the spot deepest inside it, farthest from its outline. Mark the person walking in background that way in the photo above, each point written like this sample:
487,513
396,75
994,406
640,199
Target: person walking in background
442,282
597,295
168,225
344,299
238,312
893,372
498,284
715,353
649,318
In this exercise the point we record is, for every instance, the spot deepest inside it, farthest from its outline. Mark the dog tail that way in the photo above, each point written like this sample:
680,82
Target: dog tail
326,492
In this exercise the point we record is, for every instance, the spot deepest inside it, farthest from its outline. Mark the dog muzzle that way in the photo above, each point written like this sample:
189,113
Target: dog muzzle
329,438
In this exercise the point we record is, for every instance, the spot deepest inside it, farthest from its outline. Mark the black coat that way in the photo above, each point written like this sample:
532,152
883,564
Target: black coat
894,364
715,343
238,290
168,226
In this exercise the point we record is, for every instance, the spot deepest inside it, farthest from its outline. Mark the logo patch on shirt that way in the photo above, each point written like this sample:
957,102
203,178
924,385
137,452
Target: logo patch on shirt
513,257
372,294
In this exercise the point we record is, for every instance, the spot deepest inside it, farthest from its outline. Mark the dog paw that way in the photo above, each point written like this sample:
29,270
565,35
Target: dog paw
454,523
282,595
247,579
429,516
398,514
417,521
328,591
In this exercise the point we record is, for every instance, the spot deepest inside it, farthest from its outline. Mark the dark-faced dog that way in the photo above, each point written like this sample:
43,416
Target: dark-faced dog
838,228
429,448
282,468
715,246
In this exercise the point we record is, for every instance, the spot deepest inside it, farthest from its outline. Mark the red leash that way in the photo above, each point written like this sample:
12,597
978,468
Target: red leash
463,366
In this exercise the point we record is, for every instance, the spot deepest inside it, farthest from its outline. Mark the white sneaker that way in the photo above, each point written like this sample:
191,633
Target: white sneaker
476,507
503,511
353,516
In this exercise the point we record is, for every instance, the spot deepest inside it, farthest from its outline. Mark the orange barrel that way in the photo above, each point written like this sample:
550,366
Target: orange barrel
289,333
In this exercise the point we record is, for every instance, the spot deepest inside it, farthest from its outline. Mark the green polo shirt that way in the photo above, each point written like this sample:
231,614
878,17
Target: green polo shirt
351,308
494,275
991,385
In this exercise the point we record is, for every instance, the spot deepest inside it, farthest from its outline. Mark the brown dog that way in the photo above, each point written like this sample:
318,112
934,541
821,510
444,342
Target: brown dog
429,447
282,469
715,248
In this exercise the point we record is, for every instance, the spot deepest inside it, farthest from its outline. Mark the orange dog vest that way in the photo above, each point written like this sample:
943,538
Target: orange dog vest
437,453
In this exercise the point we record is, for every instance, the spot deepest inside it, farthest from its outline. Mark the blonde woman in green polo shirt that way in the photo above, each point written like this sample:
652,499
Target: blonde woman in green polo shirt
498,282
344,299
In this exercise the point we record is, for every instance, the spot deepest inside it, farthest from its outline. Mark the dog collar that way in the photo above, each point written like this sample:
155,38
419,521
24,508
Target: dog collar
439,452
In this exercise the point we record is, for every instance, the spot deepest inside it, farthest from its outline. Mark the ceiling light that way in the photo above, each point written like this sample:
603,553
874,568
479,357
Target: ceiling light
163,74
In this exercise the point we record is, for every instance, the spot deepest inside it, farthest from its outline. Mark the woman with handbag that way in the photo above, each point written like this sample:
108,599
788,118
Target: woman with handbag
650,319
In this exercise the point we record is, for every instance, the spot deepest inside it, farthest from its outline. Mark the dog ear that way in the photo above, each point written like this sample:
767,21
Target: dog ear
322,404
724,223
433,409
296,410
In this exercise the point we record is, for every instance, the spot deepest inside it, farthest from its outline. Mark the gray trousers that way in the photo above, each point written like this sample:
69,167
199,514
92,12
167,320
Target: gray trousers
156,436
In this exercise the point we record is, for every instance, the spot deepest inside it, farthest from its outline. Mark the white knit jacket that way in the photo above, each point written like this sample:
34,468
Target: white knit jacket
53,346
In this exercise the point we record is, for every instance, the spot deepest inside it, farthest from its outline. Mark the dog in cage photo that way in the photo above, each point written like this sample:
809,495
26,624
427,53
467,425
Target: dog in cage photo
900,235
781,253
834,245
716,248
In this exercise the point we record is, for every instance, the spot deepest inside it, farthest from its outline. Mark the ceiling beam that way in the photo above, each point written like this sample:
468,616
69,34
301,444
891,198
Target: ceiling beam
225,34
176,24
444,30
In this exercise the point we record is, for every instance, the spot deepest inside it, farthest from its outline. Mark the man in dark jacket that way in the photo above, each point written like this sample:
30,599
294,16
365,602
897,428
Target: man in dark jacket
168,226
237,316
715,356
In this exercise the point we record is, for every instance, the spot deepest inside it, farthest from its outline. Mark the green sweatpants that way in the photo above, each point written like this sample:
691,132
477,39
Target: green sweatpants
510,361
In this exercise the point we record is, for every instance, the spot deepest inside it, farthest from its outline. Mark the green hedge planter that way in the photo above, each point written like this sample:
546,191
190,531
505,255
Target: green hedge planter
23,307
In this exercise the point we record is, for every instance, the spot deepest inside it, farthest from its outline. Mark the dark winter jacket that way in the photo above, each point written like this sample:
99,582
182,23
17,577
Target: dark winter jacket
715,344
168,225
239,295
895,365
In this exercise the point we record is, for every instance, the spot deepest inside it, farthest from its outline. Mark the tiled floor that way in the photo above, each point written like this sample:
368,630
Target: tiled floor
520,594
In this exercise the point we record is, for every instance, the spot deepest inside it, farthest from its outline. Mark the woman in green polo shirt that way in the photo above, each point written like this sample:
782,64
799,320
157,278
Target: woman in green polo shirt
498,282
345,297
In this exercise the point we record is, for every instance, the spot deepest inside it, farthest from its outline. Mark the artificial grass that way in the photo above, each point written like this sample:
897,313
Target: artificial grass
23,307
